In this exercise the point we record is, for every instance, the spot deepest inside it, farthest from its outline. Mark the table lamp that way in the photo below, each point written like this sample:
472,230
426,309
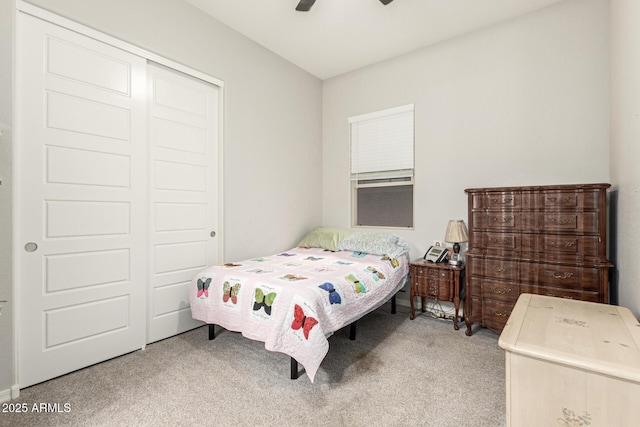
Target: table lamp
456,234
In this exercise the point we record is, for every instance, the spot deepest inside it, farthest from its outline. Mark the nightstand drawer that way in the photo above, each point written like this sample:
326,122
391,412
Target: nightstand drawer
433,289
436,281
432,273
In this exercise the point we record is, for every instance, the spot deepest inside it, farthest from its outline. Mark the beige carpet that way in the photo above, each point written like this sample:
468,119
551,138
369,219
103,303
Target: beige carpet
399,372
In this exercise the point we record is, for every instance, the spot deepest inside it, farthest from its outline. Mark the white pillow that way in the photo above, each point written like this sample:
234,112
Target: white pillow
374,243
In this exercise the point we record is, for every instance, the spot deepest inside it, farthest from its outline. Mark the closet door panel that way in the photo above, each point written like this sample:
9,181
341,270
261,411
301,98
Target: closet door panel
183,127
83,202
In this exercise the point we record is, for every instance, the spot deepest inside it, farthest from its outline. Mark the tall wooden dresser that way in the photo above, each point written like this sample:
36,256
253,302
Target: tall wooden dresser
546,240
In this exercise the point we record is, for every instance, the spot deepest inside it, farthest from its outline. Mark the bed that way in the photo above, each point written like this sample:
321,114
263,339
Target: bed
294,300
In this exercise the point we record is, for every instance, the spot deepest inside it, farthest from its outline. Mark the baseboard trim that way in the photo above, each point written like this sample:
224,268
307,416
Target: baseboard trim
403,302
10,393
15,391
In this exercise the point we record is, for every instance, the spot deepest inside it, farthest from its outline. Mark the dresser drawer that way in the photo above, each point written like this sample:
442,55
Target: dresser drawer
567,200
545,274
502,291
573,222
563,276
561,199
498,269
547,222
505,242
497,200
558,246
544,246
560,292
495,313
504,220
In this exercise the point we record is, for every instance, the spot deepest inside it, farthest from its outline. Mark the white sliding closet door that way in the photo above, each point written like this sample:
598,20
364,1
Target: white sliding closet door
184,193
82,200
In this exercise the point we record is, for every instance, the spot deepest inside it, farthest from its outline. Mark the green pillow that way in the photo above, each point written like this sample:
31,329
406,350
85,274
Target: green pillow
324,237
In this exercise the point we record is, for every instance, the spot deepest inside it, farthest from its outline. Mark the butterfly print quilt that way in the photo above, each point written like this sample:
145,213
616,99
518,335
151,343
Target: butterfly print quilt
294,300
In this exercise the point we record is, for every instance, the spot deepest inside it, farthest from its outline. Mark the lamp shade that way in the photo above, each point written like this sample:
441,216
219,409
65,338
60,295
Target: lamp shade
456,232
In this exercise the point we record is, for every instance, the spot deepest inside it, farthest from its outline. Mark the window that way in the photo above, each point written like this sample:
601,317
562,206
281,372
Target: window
382,168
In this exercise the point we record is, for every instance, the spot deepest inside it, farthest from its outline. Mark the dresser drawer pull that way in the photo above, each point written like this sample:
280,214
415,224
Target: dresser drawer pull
558,275
560,221
503,242
498,268
501,200
501,291
502,313
503,220
563,200
555,244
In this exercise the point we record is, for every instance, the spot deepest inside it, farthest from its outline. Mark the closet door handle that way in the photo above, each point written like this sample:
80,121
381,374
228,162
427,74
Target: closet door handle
31,247
212,234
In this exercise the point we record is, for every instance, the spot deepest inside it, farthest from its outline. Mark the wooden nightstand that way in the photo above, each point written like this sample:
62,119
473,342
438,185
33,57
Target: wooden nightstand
439,281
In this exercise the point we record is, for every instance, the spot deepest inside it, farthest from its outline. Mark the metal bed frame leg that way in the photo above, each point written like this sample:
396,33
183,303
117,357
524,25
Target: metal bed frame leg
294,362
294,369
212,331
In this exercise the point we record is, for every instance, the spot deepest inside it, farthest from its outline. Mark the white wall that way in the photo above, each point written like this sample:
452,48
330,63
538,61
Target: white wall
272,125
625,151
524,102
272,115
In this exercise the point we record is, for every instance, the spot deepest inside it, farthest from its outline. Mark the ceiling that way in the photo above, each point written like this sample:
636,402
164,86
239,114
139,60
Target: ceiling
338,36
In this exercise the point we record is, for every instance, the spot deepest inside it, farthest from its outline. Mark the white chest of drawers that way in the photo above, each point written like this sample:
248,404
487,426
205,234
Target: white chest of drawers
571,363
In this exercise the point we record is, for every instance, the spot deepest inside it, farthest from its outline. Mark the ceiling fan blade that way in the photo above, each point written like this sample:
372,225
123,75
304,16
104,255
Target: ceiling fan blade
385,2
305,5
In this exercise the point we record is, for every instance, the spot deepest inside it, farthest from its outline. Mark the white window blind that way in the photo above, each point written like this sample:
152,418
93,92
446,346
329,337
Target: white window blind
382,168
382,144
